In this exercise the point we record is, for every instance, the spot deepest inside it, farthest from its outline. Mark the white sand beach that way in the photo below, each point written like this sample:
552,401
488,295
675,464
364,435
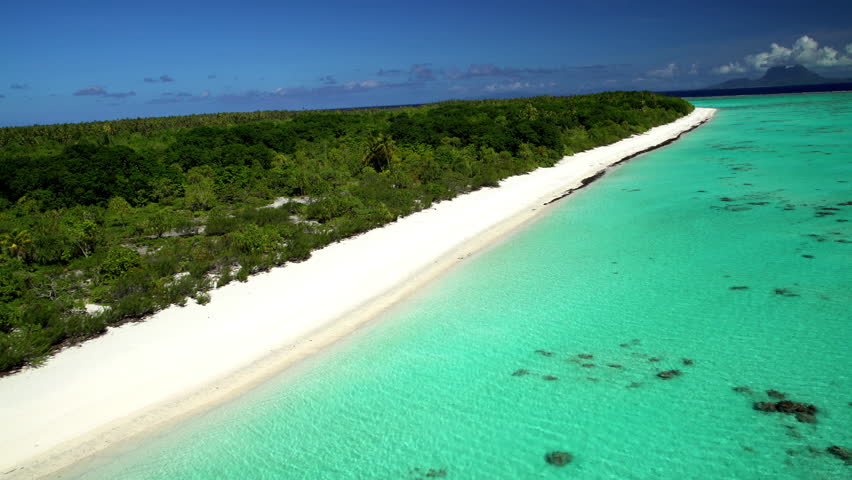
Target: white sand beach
141,376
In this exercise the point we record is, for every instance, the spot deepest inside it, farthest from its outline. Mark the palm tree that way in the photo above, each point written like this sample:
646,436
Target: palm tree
17,243
379,152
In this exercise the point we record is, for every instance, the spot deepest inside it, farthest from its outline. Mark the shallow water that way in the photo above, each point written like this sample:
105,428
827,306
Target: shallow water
636,271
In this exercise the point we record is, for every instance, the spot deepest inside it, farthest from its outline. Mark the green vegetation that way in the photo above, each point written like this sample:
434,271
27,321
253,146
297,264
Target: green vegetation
141,214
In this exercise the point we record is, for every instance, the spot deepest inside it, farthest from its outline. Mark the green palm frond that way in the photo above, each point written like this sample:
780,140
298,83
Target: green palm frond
380,150
16,243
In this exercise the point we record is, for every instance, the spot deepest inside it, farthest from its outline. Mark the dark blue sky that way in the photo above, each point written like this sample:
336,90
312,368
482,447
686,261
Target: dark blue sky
84,60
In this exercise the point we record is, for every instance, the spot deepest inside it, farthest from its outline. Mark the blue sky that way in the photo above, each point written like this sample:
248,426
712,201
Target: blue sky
94,60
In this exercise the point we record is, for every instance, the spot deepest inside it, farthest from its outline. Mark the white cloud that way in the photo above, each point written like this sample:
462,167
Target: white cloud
511,86
504,87
693,70
667,72
805,51
362,85
733,67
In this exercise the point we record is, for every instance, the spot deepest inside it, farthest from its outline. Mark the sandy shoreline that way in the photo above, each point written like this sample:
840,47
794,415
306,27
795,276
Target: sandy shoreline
181,360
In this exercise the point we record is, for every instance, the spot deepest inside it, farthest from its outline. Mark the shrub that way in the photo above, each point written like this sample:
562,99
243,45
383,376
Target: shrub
220,225
225,278
332,206
8,318
118,261
202,298
242,274
252,239
81,326
12,283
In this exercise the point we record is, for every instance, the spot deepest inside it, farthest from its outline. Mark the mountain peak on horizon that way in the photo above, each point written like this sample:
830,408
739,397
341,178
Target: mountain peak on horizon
779,76
790,72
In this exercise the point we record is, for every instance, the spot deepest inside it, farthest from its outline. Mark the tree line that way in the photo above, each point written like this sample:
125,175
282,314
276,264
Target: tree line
137,215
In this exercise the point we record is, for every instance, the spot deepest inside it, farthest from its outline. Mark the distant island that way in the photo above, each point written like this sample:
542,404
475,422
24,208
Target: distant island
781,79
783,76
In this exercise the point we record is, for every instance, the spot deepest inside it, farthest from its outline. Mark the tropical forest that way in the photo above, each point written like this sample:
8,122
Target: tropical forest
107,222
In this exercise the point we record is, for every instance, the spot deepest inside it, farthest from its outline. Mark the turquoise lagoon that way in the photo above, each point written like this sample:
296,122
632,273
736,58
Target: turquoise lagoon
637,271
